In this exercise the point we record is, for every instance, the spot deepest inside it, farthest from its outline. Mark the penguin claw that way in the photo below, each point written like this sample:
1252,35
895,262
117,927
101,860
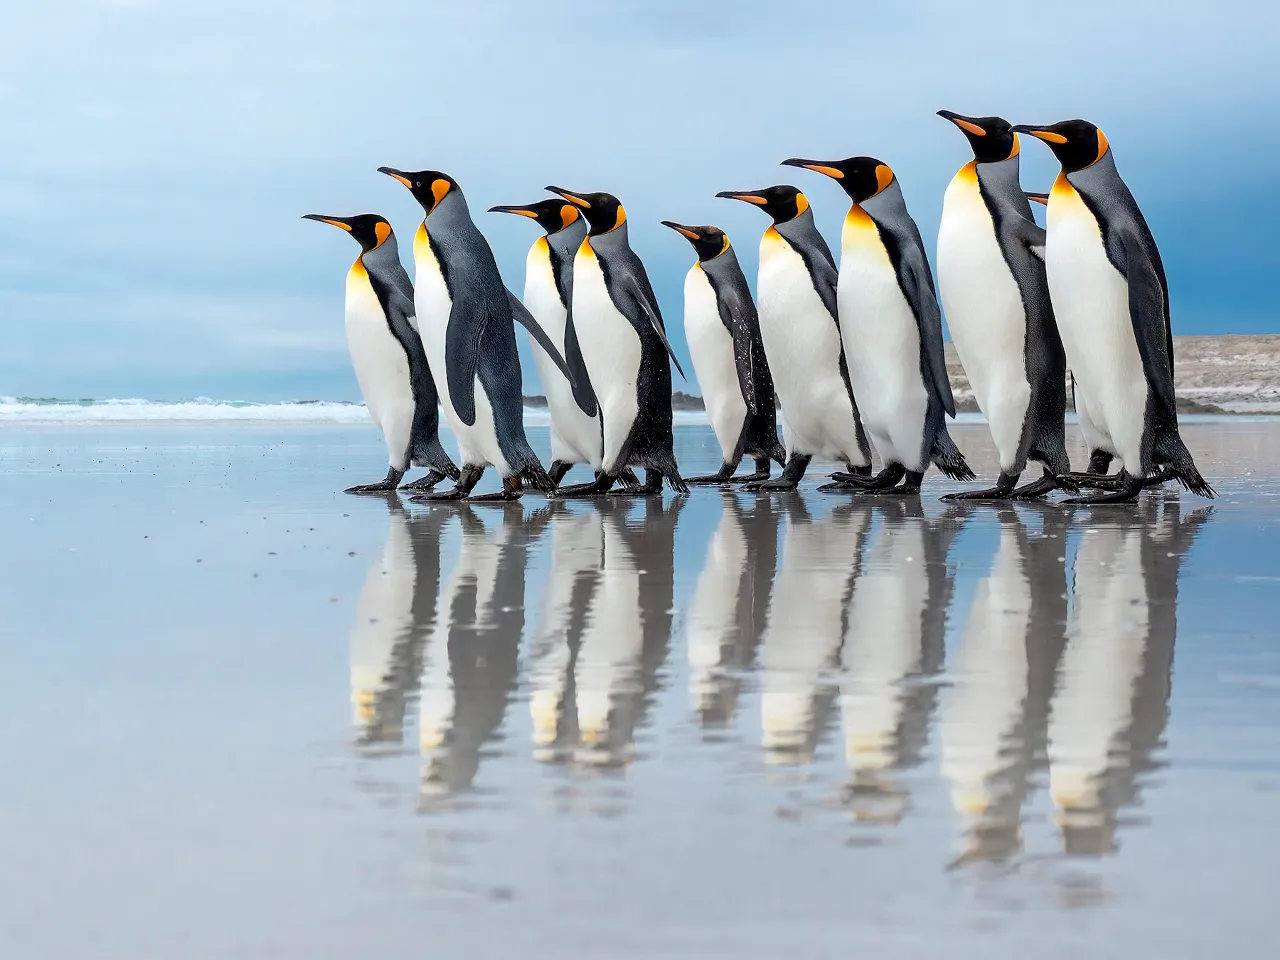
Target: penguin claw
439,496
380,487
770,486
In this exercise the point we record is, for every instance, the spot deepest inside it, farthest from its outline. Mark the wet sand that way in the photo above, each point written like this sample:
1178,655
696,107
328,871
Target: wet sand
246,715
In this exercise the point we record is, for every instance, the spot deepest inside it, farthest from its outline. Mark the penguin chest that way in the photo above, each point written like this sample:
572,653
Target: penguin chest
711,349
801,341
610,345
881,338
433,304
570,425
380,363
1091,303
980,295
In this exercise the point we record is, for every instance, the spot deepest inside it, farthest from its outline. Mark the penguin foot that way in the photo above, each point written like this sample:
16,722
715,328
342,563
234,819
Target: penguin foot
756,477
886,479
1096,481
713,479
557,470
468,477
1003,490
512,489
390,482
596,488
1129,488
426,483
1037,488
770,486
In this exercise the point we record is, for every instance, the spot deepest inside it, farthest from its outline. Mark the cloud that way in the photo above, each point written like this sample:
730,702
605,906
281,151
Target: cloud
158,156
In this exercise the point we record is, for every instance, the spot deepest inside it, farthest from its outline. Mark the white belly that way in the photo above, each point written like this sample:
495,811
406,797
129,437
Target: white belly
882,346
384,618
478,442
982,708
711,349
381,367
802,345
575,437
1106,640
984,312
611,350
1091,303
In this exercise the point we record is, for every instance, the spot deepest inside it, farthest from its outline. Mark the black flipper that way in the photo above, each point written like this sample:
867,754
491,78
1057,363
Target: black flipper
527,320
1149,319
917,285
742,352
636,295
461,358
583,393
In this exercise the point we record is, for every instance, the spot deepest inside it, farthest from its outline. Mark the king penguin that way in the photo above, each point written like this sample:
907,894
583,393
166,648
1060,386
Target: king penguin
992,280
1101,449
723,330
800,330
622,349
892,331
548,292
465,316
386,352
1111,300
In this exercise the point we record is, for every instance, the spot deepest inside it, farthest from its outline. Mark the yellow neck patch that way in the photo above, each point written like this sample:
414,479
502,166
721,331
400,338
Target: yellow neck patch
586,247
357,268
542,246
772,234
1063,185
969,172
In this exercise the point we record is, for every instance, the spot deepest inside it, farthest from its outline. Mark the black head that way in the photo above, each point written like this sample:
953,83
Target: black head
782,202
551,215
368,229
861,177
708,242
1076,143
992,138
603,211
428,187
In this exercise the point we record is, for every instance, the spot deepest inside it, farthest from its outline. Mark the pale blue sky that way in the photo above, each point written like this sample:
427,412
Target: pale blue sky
157,156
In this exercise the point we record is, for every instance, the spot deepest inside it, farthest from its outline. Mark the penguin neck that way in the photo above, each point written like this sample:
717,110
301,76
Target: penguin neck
887,202
1103,170
1000,179
448,216
567,241
799,229
382,257
723,265
615,239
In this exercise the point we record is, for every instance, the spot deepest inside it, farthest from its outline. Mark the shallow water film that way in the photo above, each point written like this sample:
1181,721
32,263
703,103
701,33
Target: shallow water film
248,716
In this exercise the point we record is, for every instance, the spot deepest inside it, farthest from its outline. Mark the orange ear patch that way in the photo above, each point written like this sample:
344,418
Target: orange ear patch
381,230
622,217
1103,146
568,214
884,177
802,203
1016,149
439,188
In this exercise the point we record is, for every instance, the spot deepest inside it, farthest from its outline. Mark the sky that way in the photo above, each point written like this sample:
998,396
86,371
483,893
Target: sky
156,157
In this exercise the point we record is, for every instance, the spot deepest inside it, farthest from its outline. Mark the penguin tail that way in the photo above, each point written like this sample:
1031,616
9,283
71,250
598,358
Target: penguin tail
946,456
433,455
1172,452
538,476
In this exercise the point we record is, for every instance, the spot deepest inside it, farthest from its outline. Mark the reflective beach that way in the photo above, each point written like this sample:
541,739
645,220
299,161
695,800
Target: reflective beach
245,715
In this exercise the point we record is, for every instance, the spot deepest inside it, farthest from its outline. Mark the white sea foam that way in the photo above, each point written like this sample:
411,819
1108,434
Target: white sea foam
42,410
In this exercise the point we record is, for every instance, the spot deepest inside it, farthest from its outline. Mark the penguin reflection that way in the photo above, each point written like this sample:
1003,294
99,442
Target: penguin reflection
469,668
396,609
729,605
801,640
993,718
895,633
577,545
1112,702
627,629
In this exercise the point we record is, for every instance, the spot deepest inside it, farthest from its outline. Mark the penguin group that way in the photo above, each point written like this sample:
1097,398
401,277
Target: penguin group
850,354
